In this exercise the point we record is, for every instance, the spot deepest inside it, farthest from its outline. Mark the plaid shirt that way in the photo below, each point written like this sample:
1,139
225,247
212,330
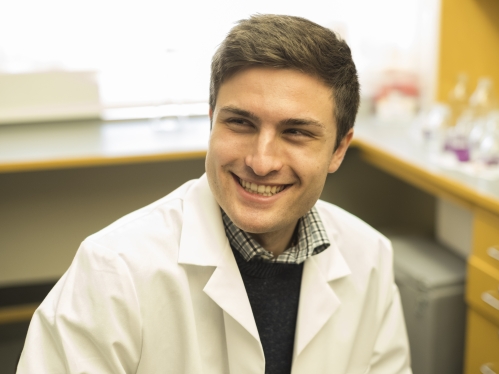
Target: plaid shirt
310,240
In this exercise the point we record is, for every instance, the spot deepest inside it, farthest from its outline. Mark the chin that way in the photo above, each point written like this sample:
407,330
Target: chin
252,229
258,224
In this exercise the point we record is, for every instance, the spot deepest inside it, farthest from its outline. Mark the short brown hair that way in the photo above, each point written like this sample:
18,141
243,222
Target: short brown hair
287,42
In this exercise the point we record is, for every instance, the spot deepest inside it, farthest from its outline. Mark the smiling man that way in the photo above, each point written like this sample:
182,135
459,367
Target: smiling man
243,270
272,146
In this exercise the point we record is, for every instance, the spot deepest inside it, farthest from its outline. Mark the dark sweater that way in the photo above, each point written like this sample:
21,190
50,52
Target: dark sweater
274,291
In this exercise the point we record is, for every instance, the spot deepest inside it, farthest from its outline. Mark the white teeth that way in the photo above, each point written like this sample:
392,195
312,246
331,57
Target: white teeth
260,189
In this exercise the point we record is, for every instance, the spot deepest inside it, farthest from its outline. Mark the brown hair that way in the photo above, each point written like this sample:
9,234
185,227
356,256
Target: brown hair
287,42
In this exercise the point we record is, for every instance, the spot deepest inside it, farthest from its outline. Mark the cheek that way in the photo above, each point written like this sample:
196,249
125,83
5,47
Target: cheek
226,150
311,166
215,153
214,156
220,156
210,170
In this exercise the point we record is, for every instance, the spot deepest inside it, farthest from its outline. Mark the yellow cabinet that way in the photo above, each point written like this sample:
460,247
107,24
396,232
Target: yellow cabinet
486,238
482,345
482,289
482,295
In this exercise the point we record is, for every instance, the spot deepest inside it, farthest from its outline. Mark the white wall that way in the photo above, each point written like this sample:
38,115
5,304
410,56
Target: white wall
155,50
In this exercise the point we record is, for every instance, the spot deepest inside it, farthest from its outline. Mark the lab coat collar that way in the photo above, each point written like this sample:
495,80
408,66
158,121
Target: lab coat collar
203,242
318,301
226,288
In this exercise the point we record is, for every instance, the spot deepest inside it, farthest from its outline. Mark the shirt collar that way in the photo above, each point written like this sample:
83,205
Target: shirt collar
310,240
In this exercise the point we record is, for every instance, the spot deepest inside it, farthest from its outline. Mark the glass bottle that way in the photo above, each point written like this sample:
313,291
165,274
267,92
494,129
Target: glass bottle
466,136
488,150
456,135
482,99
481,104
458,98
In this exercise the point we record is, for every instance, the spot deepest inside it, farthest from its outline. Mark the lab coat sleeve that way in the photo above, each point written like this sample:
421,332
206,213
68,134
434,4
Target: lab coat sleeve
391,350
90,322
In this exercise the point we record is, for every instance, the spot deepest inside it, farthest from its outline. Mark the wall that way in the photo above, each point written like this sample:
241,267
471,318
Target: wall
385,202
45,215
469,42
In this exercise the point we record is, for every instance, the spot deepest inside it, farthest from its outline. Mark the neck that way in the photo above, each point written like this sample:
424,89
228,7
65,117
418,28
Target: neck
276,241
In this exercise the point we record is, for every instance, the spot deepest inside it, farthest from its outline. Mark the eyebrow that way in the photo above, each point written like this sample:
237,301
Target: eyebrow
302,122
285,122
240,112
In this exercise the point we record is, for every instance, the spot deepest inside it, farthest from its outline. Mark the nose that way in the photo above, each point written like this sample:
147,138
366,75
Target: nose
264,156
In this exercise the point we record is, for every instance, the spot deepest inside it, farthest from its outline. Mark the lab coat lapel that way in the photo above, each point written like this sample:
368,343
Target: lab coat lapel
227,289
203,242
318,301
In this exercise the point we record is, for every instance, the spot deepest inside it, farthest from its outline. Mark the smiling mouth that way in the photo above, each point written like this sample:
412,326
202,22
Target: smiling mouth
261,189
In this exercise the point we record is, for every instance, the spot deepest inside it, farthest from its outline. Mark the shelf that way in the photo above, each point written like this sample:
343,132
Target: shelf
95,143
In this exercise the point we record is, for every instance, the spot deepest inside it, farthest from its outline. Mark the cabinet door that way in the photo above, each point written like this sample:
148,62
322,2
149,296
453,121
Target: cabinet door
482,345
482,288
486,238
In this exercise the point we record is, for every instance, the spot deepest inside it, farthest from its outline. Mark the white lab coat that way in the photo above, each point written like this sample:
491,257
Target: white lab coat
159,291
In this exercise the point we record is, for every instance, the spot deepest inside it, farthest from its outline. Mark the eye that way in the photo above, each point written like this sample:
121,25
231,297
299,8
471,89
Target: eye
239,125
296,132
237,121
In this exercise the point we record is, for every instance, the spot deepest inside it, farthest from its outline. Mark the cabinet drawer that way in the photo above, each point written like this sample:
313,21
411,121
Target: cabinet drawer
486,237
482,345
482,289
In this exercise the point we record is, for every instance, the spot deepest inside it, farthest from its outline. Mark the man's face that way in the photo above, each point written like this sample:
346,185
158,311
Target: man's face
273,131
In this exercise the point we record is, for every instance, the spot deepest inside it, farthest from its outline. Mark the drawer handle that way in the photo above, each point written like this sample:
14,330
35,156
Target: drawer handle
493,252
490,300
485,369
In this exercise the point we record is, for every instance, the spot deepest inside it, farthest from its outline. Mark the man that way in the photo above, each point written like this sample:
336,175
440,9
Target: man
243,270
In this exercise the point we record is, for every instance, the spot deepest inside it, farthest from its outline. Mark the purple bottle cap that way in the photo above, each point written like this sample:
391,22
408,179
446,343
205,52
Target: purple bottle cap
463,154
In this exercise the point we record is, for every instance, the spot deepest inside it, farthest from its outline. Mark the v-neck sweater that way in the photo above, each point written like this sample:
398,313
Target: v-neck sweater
273,291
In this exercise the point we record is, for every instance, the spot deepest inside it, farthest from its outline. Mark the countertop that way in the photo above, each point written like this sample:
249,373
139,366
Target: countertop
393,148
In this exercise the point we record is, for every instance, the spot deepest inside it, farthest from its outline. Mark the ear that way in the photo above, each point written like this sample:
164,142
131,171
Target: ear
339,153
